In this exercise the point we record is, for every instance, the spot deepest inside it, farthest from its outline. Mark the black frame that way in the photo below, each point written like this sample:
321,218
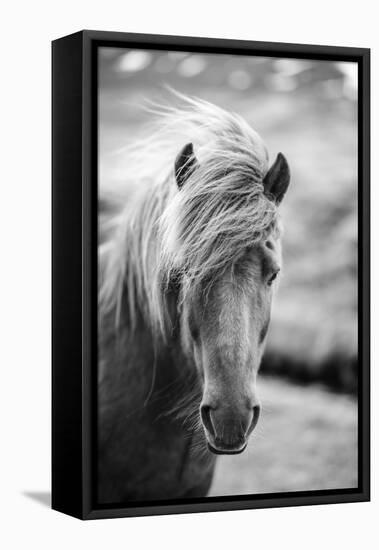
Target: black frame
74,298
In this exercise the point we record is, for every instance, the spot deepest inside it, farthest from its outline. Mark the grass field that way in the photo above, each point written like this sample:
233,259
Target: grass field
306,439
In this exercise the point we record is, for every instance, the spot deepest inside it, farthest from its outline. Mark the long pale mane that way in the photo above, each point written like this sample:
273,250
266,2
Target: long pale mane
192,233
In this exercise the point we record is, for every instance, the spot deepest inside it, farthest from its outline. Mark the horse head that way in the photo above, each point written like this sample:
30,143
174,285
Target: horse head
225,311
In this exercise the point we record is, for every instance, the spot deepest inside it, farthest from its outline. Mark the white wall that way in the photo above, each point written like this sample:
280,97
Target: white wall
27,29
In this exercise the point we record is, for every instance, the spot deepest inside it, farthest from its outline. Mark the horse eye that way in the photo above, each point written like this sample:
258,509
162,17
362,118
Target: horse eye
273,277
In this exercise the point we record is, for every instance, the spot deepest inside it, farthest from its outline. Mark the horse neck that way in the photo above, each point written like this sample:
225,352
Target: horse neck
151,372
135,341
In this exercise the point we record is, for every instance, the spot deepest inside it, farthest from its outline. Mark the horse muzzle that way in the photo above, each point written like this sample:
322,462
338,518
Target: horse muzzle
228,430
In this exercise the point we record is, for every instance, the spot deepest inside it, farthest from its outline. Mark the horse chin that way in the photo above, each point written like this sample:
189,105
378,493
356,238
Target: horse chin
226,451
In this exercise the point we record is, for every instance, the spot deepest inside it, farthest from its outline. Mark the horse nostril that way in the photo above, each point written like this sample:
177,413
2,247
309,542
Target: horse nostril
254,420
205,413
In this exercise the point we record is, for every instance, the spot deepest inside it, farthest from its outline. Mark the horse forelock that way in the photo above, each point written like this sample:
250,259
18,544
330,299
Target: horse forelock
195,231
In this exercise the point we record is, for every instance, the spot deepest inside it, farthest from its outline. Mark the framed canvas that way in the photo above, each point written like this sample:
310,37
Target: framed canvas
210,220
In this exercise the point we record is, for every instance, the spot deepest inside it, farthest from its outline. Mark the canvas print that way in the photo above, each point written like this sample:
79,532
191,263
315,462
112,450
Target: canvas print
227,276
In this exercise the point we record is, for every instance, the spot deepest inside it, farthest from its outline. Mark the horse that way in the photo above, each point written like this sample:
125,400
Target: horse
187,274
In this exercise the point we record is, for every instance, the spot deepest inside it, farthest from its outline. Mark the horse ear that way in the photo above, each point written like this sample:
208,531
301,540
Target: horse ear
185,164
277,179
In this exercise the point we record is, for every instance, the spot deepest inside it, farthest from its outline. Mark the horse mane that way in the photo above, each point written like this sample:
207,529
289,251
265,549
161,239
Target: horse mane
195,232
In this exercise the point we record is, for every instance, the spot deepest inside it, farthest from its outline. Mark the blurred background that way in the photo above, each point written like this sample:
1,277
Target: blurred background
307,436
